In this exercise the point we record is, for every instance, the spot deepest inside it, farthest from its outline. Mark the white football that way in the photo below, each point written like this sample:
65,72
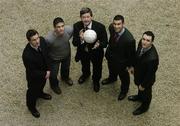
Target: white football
90,36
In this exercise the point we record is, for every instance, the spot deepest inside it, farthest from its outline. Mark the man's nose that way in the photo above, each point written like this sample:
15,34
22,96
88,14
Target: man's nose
37,42
86,19
116,26
60,29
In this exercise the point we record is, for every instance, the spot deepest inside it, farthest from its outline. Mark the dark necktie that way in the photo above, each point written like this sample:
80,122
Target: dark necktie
39,49
86,28
141,52
87,45
116,36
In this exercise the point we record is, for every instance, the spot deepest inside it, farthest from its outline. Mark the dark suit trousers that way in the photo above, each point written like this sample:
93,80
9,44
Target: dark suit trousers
96,57
64,70
116,69
33,93
145,96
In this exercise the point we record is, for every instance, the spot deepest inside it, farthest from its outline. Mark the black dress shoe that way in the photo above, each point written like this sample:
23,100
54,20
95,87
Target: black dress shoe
82,79
140,110
35,112
68,81
96,86
133,98
45,96
107,81
57,90
121,96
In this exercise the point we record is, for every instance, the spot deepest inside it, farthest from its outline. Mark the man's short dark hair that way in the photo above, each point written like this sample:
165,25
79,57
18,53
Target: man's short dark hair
150,33
119,17
30,33
57,20
85,10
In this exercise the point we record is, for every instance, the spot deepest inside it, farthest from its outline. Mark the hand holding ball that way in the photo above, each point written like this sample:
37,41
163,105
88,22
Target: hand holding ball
90,36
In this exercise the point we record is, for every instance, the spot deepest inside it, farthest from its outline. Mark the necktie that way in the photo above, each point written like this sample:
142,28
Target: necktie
116,36
86,28
141,52
85,44
39,49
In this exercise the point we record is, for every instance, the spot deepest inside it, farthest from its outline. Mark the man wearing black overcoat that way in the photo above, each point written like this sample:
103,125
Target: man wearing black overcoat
36,62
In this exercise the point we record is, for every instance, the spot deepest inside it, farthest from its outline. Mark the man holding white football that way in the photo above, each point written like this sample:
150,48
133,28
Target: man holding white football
91,49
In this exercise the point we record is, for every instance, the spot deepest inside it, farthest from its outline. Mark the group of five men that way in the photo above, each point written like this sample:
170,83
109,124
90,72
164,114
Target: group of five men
42,58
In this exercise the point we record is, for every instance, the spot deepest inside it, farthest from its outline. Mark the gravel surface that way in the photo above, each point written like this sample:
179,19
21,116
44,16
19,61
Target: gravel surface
79,105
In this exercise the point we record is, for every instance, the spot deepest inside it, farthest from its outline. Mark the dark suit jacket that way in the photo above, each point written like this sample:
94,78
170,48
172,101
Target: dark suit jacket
122,52
36,63
101,36
146,66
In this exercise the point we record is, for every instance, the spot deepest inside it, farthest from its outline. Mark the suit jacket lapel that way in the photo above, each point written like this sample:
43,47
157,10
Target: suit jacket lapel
93,27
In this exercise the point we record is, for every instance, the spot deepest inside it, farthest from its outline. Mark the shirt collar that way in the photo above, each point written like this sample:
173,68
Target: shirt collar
146,49
121,32
34,47
89,25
